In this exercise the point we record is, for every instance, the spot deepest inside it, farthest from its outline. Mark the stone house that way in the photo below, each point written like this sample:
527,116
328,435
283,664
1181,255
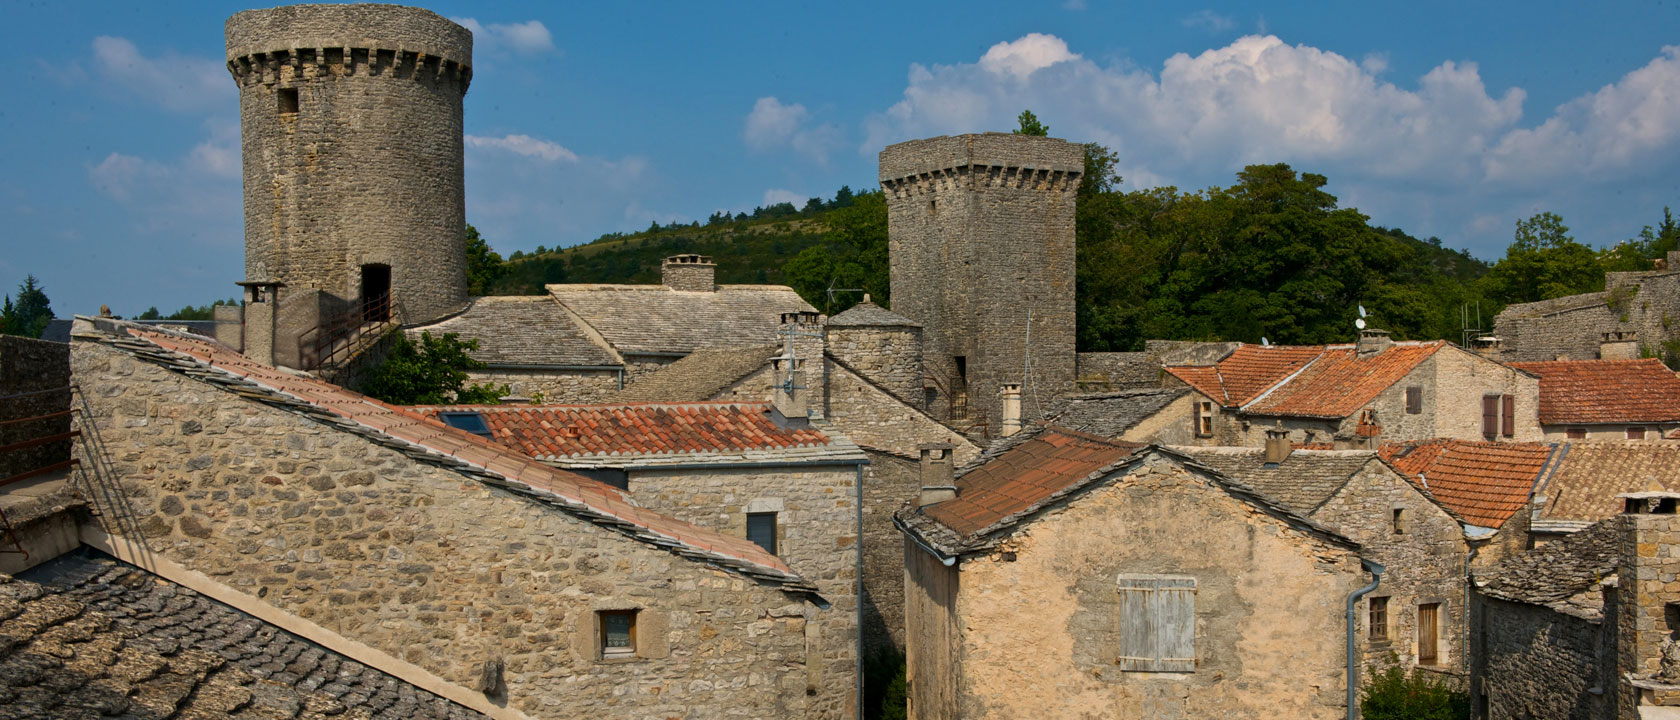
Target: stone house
1359,395
1636,400
1416,617
1588,478
1145,415
1488,486
505,585
1072,576
1584,627
585,342
1634,315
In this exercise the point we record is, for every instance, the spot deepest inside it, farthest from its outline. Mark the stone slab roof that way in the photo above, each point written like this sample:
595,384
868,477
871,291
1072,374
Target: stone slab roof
656,319
88,636
429,441
1589,475
1340,382
1605,391
1483,482
1303,481
1247,372
867,313
699,376
1542,308
1111,414
1562,574
522,330
676,432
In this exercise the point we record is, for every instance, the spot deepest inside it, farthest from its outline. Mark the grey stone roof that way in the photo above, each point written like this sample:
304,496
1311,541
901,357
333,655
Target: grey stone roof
870,314
1111,414
90,636
698,377
1303,481
656,319
1560,573
522,330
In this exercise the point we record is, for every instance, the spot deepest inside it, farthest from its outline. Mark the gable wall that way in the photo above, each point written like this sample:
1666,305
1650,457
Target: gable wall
1168,426
1462,380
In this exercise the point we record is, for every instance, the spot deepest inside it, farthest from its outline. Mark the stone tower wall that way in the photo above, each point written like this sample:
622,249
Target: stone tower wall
369,168
891,356
981,231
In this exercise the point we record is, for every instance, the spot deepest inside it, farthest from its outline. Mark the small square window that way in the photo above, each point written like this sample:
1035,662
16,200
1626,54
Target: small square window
1399,521
1576,433
1204,418
1636,433
761,530
469,421
618,634
288,100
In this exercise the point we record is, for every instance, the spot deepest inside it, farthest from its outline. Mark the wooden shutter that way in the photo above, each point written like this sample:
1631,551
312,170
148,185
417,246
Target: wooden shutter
1429,630
1508,415
1414,400
1157,623
1490,416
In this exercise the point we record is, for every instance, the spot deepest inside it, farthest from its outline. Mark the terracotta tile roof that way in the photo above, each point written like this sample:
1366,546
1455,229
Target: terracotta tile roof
699,376
1484,482
1605,391
656,319
566,431
1555,573
1589,475
1340,382
1027,474
1111,414
522,330
430,441
1303,481
1247,372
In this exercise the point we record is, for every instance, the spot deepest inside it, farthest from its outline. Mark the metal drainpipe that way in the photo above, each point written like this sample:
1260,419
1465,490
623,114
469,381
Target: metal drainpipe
1352,625
859,546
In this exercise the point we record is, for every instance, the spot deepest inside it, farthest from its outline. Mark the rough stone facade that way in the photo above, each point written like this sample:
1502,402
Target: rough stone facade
34,381
352,146
1636,311
552,386
1030,629
981,235
890,356
1535,662
431,567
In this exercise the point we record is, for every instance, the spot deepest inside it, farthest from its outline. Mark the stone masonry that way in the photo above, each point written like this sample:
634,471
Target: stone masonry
1637,311
34,381
981,234
432,567
351,137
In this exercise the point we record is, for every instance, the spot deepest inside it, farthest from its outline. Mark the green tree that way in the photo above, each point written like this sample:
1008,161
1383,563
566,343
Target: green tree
1544,262
852,254
30,314
484,266
151,313
430,372
1030,125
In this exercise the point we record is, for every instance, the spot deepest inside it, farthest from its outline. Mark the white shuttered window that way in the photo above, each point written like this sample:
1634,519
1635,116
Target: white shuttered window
1157,623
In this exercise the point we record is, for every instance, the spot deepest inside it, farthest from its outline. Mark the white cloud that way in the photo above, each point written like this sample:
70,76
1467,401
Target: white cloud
526,38
181,83
775,196
523,145
772,125
1023,57
1209,20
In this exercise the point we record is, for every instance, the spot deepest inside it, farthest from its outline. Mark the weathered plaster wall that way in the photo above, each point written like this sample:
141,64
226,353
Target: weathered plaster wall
430,566
1617,432
1039,632
1461,382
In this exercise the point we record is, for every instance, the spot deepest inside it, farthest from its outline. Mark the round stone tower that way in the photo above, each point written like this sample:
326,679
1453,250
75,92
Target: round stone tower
350,120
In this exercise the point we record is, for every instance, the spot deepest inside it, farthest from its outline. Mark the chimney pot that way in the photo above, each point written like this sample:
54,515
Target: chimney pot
1278,446
1373,340
1011,408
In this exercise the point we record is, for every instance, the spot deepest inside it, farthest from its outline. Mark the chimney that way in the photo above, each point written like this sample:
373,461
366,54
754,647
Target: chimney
689,273
1011,408
804,340
938,476
1645,614
1277,446
790,405
1373,341
1618,345
261,310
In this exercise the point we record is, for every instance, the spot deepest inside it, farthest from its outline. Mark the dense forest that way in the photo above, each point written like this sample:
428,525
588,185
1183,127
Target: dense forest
1272,255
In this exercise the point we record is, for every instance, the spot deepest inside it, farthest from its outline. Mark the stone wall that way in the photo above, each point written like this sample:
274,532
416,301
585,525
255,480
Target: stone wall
888,481
1643,306
890,356
1647,589
555,386
1104,371
980,235
933,637
816,535
230,325
350,121
1038,616
431,566
1534,662
34,381
874,419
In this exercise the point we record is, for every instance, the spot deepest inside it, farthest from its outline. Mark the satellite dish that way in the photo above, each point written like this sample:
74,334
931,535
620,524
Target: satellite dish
1359,323
1361,312
1264,342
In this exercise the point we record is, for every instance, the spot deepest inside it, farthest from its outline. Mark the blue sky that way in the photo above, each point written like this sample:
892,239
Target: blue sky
119,160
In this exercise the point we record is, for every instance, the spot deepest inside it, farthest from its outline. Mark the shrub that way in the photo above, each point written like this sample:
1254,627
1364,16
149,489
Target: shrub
1394,694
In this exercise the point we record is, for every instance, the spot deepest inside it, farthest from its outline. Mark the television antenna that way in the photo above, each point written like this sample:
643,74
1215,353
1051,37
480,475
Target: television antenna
828,308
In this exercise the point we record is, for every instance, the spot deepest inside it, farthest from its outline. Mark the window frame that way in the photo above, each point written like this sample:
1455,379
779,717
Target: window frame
1376,619
615,652
775,530
1202,420
1575,433
1399,520
1156,619
1633,429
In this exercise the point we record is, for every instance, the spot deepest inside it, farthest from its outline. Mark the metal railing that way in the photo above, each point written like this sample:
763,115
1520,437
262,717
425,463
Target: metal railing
13,545
339,337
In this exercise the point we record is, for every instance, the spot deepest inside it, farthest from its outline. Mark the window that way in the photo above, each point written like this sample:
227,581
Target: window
1379,618
288,100
1636,433
1399,521
1490,416
1157,623
761,530
1414,399
1508,415
469,421
1203,420
1576,433
618,633
1499,416
1429,629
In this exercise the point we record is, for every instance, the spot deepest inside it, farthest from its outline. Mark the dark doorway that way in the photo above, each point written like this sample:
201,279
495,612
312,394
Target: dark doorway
376,293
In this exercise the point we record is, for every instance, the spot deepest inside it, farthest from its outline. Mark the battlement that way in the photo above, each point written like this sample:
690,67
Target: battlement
287,66
1000,159
394,28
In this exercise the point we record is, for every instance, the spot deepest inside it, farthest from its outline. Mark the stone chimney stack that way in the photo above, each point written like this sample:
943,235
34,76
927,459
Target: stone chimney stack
938,475
1644,582
689,273
1011,409
803,340
1277,446
790,404
262,303
1618,345
1373,341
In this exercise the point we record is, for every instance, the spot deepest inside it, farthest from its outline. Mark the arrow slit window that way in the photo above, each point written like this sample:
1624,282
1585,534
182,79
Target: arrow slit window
1157,623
